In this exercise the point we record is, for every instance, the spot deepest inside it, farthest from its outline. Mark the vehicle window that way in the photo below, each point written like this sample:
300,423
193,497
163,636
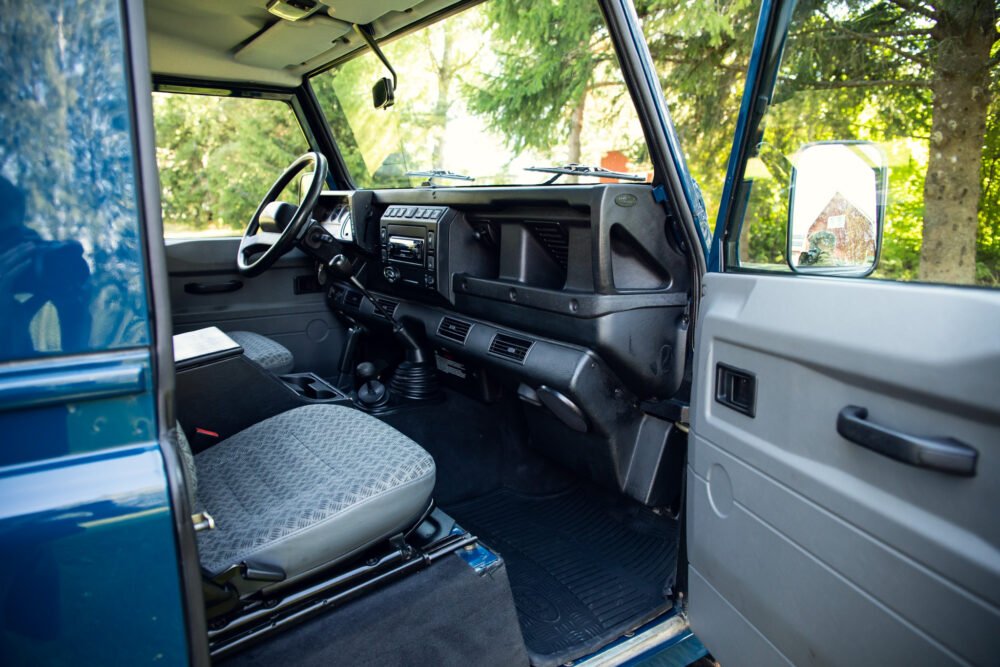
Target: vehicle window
918,79
217,157
701,54
71,273
499,87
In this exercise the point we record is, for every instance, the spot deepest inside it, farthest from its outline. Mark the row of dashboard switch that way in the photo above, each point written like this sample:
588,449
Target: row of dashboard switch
413,212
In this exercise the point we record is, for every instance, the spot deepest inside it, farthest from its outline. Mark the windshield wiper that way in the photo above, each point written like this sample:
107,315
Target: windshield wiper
431,174
584,170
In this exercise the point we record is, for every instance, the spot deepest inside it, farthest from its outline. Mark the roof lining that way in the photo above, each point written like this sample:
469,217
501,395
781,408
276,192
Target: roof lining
199,41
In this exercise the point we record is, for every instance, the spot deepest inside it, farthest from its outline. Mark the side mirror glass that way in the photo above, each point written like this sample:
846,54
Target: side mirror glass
836,208
383,93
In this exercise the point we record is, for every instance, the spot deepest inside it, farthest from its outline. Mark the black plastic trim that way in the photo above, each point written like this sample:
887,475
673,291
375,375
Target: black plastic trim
567,303
648,100
942,454
736,389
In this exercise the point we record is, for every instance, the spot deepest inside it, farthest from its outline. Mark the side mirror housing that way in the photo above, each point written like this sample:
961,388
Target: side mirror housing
383,93
837,208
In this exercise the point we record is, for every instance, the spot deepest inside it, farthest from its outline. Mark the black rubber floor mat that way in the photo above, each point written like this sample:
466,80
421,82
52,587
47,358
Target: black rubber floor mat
583,568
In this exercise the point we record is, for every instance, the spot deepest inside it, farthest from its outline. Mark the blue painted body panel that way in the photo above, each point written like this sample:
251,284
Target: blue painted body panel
88,562
680,651
476,556
88,557
756,84
54,381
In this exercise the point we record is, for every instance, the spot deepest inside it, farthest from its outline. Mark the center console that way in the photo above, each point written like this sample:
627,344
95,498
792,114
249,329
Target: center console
220,392
409,238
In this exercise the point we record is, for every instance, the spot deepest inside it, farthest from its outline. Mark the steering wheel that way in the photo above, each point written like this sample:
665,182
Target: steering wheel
276,225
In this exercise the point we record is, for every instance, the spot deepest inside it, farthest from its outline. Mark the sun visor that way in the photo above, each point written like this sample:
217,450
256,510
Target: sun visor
288,44
367,11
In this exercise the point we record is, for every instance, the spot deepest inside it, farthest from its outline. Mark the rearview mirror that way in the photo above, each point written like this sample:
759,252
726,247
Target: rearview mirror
383,95
836,208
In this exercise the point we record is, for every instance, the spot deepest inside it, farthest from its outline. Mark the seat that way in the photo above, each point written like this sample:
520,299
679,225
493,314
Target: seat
268,353
305,489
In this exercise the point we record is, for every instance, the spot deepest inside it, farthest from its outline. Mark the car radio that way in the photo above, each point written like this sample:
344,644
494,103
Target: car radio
406,249
408,236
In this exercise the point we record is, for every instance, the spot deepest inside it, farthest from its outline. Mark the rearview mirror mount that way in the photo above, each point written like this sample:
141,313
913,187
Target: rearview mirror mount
384,90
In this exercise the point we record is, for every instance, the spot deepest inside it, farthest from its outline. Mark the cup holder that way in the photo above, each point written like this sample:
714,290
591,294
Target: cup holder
311,386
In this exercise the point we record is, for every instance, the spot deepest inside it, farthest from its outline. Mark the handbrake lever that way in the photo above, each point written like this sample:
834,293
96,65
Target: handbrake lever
341,266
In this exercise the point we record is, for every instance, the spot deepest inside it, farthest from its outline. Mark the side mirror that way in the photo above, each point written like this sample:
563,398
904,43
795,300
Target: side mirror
383,93
836,208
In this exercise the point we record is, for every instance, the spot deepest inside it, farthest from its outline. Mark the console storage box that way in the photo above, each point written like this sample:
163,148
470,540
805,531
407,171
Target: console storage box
220,392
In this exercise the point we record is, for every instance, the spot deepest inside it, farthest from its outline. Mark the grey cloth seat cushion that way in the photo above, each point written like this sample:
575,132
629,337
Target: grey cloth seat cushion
307,488
270,354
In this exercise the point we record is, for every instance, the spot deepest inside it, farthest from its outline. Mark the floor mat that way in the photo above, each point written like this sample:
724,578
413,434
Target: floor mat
584,568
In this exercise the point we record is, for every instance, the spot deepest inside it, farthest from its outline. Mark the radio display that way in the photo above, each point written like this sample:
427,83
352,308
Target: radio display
406,249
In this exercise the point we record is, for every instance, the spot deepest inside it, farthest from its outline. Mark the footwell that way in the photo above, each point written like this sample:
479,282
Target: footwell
584,567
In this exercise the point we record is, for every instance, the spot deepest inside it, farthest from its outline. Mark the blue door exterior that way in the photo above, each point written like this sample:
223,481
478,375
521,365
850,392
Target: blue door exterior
88,555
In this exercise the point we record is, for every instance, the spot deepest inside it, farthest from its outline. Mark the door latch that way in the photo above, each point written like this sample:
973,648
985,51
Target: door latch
736,389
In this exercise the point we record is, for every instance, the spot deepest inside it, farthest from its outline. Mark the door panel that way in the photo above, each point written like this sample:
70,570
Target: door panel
266,304
834,553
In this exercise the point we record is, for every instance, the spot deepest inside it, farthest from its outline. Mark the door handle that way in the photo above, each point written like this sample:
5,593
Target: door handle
944,454
213,288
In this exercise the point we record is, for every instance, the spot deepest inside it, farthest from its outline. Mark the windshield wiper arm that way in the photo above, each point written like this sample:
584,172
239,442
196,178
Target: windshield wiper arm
584,170
431,174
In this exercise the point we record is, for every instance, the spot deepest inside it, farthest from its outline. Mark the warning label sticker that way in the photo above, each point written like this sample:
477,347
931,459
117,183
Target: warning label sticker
450,366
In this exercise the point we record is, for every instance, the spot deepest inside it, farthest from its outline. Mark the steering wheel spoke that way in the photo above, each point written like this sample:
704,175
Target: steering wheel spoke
260,249
259,240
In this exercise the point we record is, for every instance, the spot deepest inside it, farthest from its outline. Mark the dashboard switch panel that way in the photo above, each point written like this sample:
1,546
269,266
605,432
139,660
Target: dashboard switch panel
409,238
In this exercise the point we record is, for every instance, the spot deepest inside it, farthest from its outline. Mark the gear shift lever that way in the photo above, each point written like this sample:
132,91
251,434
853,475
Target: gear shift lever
372,392
415,378
341,266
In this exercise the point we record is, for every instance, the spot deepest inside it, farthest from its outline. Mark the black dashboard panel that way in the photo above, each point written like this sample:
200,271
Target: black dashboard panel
574,297
592,265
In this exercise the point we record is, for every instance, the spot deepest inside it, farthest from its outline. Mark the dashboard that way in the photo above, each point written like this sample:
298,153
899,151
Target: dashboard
334,214
573,298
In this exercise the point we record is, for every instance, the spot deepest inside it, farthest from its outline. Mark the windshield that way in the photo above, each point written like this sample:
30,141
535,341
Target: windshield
486,93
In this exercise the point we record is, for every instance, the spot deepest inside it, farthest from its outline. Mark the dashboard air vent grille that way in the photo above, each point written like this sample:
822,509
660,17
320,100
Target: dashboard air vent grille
554,238
389,305
510,347
454,329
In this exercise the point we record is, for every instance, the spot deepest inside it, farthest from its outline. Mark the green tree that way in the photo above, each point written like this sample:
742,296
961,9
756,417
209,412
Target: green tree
924,65
884,70
548,53
218,156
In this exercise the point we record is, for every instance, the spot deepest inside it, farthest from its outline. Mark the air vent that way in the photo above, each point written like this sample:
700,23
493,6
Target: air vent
352,299
553,236
454,329
510,347
388,304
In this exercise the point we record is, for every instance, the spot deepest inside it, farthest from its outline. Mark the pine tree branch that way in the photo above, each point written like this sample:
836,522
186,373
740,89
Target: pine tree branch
677,60
885,34
874,40
604,84
917,8
858,83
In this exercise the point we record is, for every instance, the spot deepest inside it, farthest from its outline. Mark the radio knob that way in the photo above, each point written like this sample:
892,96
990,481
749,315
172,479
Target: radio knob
391,274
